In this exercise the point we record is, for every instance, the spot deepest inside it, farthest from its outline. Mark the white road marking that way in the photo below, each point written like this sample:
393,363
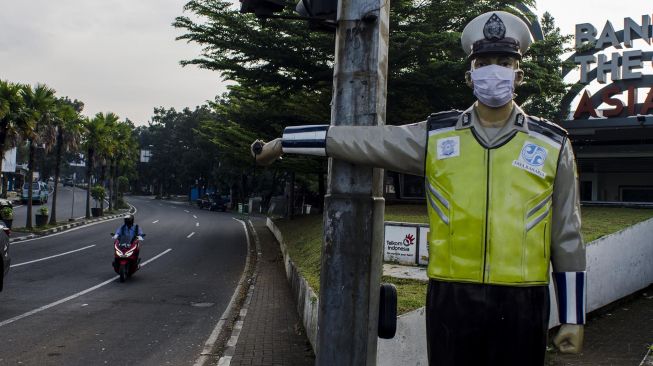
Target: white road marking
186,211
194,216
74,296
52,256
154,222
75,228
189,235
197,224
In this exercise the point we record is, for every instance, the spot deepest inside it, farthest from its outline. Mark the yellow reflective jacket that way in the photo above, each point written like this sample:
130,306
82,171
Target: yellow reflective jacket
490,208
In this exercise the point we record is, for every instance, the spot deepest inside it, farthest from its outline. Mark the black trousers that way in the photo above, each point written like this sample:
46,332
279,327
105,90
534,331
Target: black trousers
486,325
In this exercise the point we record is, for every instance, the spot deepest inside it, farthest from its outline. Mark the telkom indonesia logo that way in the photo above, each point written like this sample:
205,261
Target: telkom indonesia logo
409,240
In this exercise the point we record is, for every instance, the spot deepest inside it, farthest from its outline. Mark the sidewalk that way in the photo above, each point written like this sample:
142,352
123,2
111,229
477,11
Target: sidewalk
617,337
272,333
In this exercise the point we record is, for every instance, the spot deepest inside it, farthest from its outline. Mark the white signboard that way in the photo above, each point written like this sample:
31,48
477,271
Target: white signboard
145,156
423,259
400,244
9,161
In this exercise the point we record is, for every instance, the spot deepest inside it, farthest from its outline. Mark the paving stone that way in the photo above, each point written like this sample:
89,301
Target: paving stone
268,336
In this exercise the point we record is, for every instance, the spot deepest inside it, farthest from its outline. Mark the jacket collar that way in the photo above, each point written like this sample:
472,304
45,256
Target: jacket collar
518,120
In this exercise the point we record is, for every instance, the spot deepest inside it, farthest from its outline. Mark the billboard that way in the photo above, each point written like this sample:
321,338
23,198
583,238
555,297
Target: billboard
9,161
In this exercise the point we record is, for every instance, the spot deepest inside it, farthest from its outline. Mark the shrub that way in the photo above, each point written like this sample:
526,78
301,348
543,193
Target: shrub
98,193
43,211
7,213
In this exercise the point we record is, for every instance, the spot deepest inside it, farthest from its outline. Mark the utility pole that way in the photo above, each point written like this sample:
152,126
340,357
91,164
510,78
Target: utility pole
354,204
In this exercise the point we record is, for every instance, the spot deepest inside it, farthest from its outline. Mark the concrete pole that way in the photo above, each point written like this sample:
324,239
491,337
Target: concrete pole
354,206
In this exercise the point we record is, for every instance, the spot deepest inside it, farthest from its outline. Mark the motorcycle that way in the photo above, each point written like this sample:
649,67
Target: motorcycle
125,256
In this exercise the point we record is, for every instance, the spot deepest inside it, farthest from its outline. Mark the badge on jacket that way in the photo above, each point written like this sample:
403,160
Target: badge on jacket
448,147
531,159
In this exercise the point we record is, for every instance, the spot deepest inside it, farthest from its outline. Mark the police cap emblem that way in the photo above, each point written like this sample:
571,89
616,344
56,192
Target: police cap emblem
494,29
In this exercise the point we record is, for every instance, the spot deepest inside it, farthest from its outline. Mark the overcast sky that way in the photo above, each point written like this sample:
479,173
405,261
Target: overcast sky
121,56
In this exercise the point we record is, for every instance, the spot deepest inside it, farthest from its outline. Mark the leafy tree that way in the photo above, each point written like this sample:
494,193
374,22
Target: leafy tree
68,123
40,111
283,72
123,155
12,119
543,73
426,63
96,142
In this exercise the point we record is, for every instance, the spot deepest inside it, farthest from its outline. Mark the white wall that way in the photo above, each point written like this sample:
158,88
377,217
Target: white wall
617,265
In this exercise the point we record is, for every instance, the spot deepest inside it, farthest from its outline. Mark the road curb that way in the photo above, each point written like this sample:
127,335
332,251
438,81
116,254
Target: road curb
230,348
228,316
65,227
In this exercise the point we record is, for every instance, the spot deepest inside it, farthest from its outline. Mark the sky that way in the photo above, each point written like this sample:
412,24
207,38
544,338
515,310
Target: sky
121,55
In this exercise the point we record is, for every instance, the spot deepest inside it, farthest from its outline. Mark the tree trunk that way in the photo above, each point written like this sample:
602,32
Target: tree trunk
3,137
5,184
103,176
30,180
112,178
89,171
57,171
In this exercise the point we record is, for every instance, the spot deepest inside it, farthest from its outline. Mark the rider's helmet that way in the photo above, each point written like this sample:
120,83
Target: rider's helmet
129,220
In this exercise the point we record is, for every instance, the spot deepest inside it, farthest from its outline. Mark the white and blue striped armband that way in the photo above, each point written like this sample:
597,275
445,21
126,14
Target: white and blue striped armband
571,288
308,140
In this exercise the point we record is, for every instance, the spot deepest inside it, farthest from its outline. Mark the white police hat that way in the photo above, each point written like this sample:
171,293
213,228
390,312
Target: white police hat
496,32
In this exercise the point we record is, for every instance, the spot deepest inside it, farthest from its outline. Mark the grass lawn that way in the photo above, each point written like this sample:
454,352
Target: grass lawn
303,237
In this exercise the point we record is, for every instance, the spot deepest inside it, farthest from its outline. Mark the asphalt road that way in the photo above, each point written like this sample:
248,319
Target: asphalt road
63,305
65,207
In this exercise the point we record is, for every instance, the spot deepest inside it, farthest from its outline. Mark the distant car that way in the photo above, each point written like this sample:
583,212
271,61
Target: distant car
213,202
68,182
4,252
40,192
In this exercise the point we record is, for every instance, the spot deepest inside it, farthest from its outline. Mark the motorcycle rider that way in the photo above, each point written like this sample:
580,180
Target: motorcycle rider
129,232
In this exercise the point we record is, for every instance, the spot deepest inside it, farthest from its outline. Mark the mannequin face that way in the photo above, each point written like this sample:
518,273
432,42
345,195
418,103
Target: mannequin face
495,59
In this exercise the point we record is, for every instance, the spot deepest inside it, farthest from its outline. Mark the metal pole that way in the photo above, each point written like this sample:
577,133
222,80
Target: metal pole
354,205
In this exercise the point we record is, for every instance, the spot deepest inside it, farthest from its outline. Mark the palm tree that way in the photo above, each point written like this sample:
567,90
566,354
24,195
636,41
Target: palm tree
96,143
40,105
124,155
69,130
12,118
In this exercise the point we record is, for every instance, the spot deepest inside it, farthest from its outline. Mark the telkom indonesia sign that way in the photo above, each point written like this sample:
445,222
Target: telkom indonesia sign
628,68
405,243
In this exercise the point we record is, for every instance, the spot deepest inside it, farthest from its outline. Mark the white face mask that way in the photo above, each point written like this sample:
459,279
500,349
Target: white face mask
494,85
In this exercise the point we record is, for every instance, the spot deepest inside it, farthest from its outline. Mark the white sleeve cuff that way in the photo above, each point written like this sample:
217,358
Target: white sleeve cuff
308,140
571,288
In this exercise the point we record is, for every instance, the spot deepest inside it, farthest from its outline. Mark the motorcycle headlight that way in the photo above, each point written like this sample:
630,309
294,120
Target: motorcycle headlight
129,253
119,253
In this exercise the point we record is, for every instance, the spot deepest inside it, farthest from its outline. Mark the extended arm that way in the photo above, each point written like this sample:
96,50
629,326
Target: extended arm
116,233
568,254
398,148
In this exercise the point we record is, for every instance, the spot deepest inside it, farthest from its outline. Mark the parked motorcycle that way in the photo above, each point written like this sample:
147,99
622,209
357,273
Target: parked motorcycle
125,256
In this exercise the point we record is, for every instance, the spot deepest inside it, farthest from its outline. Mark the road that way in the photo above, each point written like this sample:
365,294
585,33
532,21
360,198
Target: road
70,309
65,208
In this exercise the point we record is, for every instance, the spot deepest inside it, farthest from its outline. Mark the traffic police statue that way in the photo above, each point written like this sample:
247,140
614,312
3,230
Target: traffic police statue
502,198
